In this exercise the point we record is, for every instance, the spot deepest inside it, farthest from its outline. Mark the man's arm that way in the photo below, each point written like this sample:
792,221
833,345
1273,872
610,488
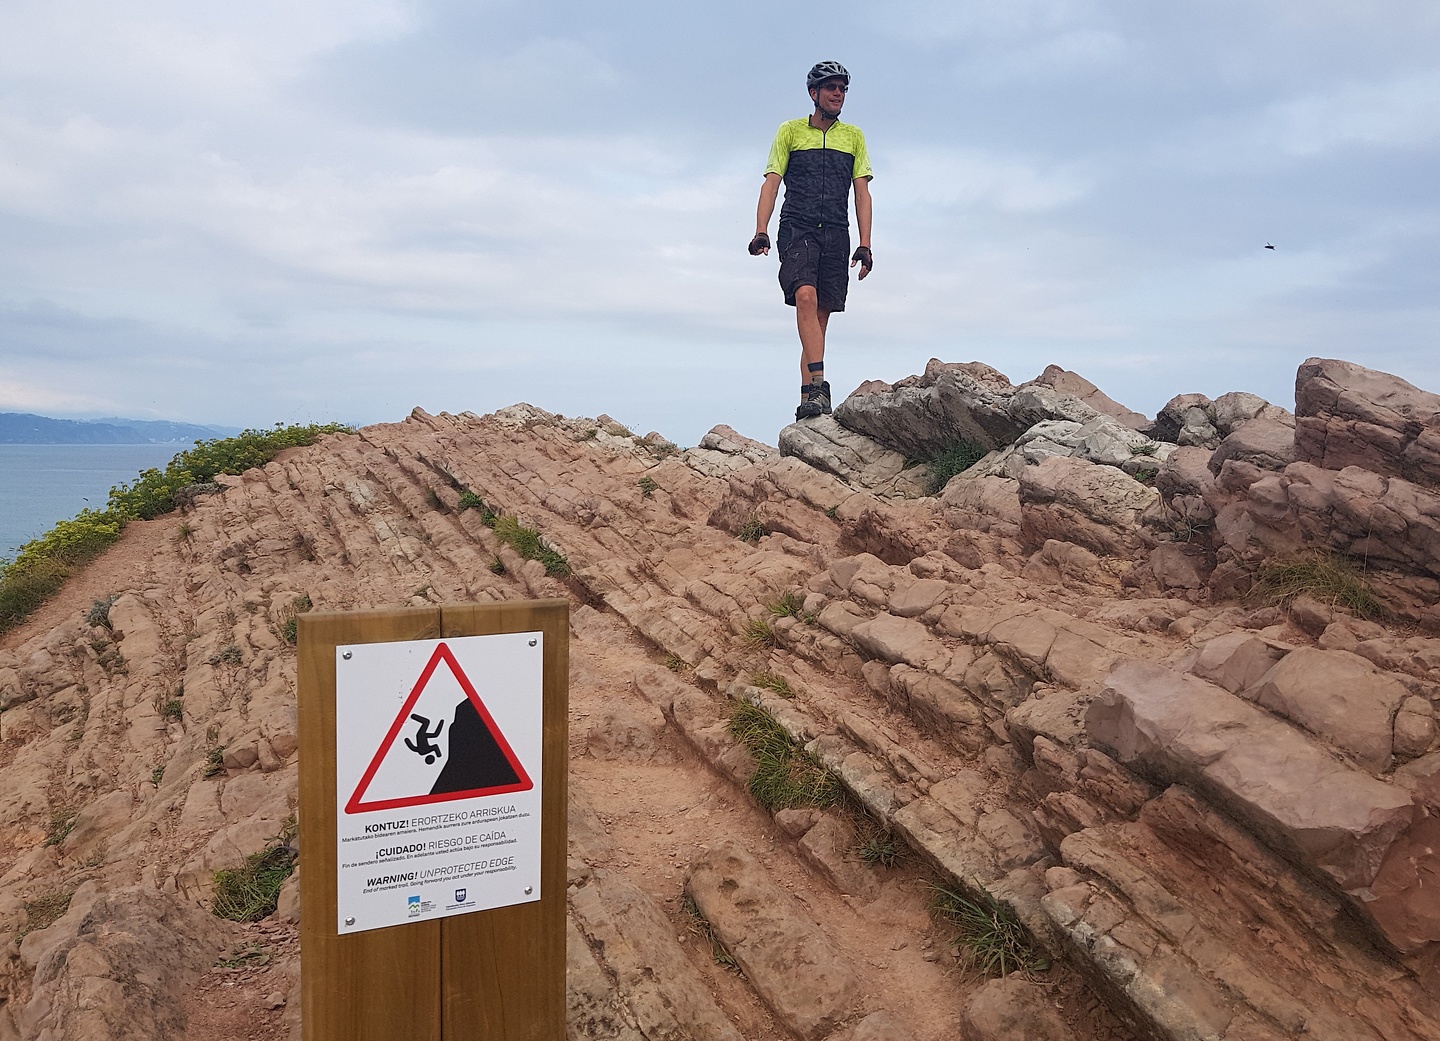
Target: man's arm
769,191
862,217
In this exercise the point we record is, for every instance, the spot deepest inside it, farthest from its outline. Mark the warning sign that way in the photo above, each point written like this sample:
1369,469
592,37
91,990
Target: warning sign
453,750
438,746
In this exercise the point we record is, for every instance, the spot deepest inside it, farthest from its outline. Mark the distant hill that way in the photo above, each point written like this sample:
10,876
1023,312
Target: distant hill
21,428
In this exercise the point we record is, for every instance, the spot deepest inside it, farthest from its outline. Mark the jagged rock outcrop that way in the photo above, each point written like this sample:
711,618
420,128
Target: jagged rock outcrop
1047,683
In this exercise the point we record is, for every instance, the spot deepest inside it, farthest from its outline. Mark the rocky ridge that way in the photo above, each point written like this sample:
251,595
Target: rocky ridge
1049,679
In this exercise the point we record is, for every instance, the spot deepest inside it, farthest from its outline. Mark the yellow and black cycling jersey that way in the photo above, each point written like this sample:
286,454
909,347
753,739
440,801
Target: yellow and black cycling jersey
818,167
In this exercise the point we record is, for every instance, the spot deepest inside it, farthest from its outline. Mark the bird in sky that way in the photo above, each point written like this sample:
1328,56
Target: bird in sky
1268,246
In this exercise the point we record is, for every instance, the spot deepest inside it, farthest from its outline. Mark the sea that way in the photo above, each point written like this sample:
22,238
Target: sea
43,484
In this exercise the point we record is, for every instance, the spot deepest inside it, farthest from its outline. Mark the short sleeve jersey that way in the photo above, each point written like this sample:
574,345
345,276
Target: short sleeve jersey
818,167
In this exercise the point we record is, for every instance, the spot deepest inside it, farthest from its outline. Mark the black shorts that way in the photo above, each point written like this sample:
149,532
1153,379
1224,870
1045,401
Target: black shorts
818,257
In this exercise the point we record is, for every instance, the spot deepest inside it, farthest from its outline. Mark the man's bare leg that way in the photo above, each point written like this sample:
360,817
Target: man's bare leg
812,323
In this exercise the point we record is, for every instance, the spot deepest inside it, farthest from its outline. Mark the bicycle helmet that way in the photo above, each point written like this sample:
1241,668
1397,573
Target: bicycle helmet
825,70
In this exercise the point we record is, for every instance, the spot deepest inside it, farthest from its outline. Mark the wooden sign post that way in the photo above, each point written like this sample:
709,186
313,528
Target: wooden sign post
481,955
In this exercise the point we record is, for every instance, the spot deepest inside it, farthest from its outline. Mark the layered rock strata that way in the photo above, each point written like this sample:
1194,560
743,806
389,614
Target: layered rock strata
1217,815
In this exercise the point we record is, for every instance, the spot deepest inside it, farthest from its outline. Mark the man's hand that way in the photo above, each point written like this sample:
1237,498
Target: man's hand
759,244
864,258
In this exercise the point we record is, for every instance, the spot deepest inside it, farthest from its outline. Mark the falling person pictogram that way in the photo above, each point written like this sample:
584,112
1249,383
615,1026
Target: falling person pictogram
422,744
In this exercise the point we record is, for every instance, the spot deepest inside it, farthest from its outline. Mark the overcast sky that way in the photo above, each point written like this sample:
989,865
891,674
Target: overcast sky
340,209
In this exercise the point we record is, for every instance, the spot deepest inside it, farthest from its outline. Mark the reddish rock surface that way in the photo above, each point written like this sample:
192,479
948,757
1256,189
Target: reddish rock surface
1053,686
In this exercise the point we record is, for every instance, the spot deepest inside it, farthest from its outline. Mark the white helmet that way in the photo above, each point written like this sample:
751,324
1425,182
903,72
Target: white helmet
825,70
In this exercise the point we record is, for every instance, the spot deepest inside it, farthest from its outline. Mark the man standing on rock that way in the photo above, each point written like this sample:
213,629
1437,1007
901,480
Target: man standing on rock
819,158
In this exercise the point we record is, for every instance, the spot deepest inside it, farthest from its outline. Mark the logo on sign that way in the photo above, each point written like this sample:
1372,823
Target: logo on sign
414,905
459,896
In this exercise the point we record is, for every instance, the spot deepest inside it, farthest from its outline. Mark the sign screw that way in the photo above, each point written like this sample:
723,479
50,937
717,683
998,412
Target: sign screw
529,890
345,655
349,921
534,642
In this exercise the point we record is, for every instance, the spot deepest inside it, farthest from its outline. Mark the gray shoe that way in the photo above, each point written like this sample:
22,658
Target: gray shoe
824,397
808,409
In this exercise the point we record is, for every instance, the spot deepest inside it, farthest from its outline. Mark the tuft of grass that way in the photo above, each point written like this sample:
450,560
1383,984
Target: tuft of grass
751,530
789,605
700,925
248,893
157,775
990,939
289,627
773,682
497,566
948,462
1327,577
227,655
99,613
831,511
173,710
1149,448
759,632
61,825
184,532
879,847
786,776
647,485
1145,474
675,663
214,762
531,545
45,910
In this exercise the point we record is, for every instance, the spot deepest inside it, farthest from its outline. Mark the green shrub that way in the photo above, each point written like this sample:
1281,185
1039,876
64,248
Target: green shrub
470,501
61,825
42,565
751,530
248,893
227,655
647,486
991,940
948,462
214,762
99,613
45,910
154,491
174,710
785,775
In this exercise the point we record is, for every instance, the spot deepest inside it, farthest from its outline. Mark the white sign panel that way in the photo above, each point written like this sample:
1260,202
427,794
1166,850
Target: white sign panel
437,777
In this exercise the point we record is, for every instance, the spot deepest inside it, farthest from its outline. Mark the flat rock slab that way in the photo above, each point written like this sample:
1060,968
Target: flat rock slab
1329,816
665,992
851,456
1011,1009
1341,697
794,968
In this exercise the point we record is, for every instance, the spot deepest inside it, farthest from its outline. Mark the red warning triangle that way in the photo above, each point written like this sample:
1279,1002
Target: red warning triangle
475,760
